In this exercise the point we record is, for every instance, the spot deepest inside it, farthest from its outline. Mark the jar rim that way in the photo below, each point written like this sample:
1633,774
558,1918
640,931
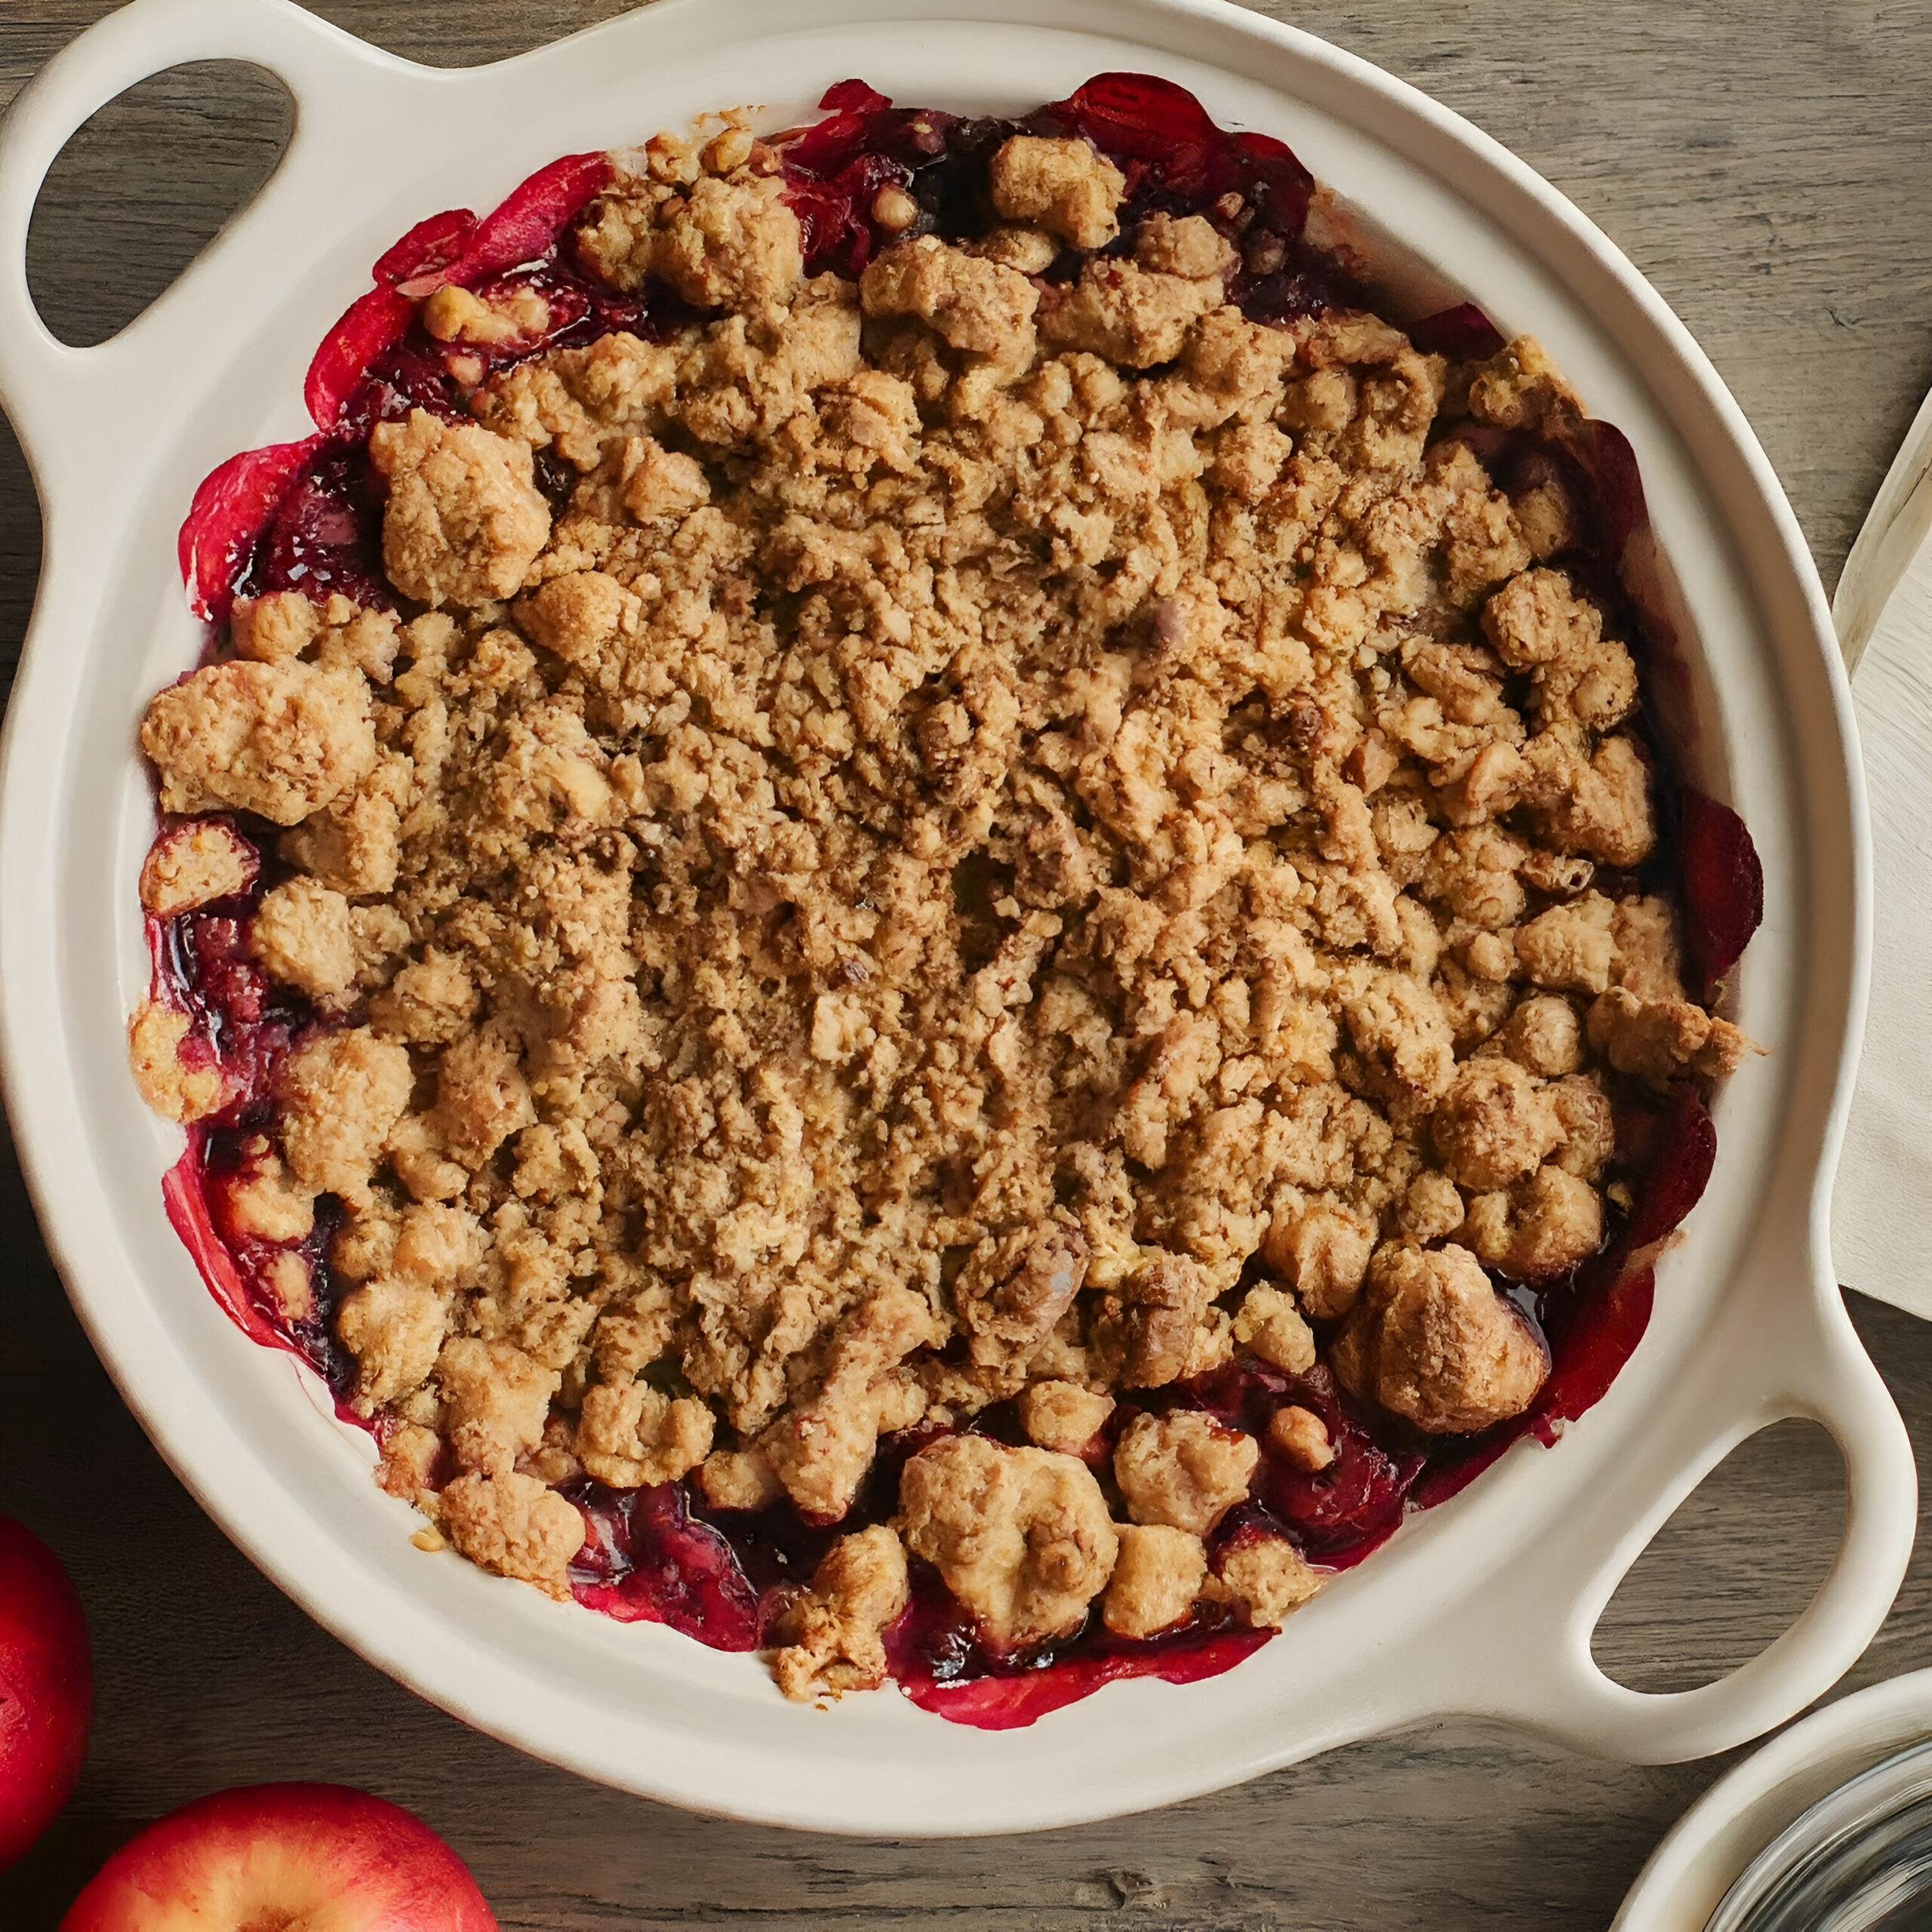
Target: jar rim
1848,1863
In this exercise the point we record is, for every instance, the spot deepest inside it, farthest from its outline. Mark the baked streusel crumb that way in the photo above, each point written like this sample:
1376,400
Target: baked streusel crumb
924,839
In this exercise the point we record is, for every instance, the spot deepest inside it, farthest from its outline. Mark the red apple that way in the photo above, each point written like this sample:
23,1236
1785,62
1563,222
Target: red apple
318,1857
46,1688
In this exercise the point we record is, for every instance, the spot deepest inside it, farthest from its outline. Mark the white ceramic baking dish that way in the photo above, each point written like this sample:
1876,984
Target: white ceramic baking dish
1483,1606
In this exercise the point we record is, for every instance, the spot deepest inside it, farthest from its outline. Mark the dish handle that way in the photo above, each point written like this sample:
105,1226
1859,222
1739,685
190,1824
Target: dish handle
339,87
1522,1638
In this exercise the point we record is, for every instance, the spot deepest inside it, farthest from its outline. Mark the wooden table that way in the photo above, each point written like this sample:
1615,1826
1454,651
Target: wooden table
1768,164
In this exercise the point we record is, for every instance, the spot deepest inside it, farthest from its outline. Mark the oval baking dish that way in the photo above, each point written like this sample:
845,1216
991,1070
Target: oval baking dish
1483,1606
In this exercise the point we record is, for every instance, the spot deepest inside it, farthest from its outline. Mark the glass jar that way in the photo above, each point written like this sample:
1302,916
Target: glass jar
1860,1860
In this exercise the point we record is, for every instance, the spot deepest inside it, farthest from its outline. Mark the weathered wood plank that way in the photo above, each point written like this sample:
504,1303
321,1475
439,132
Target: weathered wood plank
1768,167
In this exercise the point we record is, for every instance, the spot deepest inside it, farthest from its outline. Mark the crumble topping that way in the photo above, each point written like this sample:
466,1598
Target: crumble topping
1182,1470
1157,1578
1022,1537
515,1525
836,1630
464,522
1262,1578
1431,1340
1300,1436
264,1200
1067,187
1063,1415
281,740
981,838
174,1085
195,863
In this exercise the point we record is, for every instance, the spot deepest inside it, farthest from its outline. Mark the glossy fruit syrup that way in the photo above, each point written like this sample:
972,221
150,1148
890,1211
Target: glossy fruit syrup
307,515
243,1025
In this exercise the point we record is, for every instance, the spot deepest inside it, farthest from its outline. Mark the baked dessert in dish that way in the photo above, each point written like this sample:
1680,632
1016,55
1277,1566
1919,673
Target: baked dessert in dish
922,911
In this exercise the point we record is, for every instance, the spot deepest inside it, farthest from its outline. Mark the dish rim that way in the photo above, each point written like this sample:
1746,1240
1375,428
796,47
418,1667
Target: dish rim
1818,1369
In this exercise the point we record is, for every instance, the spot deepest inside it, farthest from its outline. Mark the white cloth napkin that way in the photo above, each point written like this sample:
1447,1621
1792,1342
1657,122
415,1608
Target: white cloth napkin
1882,1207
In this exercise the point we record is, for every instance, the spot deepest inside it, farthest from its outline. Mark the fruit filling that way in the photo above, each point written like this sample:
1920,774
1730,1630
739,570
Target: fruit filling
921,908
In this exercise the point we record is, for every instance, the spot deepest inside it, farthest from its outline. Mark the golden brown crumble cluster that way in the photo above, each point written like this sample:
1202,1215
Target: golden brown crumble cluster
1011,840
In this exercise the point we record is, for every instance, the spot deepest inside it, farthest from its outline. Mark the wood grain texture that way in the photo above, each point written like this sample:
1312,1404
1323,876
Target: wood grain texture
1768,167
